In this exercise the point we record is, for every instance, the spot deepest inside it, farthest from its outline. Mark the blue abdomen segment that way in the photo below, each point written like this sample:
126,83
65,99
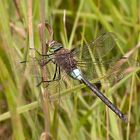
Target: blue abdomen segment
76,74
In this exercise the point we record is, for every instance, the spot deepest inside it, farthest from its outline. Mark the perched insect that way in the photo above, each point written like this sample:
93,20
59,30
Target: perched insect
94,55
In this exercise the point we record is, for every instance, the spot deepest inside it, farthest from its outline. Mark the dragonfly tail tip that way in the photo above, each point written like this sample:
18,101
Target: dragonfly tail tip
124,118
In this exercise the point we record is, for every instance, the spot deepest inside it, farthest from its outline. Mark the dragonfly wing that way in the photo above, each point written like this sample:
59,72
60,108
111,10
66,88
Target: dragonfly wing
99,48
33,66
97,58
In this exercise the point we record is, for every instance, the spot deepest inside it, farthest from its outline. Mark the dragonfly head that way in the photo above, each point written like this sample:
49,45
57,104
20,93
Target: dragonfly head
54,46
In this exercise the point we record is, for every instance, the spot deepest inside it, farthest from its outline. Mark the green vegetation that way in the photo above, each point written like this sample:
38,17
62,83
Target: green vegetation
25,113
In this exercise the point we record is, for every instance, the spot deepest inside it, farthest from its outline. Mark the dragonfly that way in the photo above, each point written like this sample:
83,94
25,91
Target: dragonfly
66,60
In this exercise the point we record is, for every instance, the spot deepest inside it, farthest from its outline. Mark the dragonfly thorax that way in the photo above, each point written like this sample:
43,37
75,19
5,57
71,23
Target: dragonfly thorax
64,58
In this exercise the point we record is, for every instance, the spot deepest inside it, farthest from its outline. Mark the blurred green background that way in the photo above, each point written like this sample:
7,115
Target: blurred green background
22,113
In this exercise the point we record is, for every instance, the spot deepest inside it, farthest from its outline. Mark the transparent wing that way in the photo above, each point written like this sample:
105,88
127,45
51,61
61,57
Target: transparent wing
97,58
99,48
31,67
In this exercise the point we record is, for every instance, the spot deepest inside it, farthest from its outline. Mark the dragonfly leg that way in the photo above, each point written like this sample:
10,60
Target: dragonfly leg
47,81
55,72
59,74
42,63
40,53
43,81
53,79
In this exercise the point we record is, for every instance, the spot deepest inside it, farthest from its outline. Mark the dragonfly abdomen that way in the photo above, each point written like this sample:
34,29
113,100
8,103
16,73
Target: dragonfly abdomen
105,99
